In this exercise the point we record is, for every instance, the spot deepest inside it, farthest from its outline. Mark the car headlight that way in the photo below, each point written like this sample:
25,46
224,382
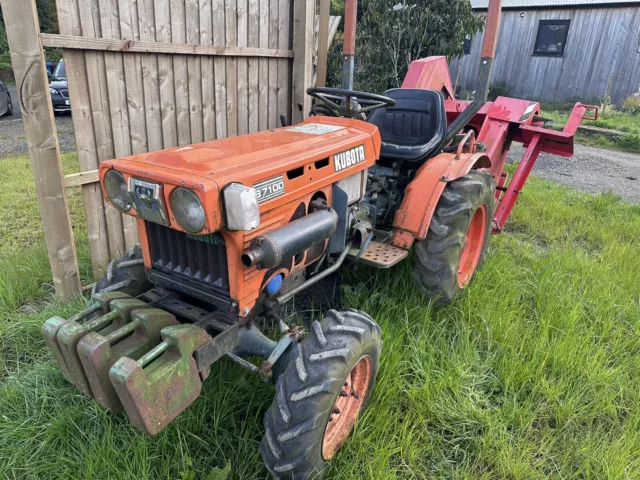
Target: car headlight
241,207
187,210
53,91
117,192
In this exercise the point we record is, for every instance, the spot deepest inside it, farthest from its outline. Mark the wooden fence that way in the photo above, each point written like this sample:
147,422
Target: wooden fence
146,75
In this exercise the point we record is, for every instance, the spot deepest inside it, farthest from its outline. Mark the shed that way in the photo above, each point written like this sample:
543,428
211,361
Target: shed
560,50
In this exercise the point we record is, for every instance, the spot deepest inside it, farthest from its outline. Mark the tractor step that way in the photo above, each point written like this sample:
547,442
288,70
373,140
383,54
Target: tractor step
380,255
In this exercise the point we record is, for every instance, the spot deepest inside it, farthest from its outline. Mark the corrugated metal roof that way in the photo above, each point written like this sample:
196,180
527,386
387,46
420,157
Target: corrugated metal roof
552,3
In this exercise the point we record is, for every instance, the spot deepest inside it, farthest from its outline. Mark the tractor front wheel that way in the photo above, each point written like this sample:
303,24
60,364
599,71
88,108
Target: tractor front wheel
325,386
125,274
458,237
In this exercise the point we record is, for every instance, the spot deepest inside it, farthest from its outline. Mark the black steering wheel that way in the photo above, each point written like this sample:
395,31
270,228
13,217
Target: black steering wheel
348,103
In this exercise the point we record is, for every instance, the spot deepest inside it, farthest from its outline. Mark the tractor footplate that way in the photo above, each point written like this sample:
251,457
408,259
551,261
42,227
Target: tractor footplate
115,312
379,255
162,383
99,351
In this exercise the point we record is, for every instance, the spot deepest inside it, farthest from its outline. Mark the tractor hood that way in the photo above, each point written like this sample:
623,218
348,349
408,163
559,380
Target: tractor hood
312,154
250,158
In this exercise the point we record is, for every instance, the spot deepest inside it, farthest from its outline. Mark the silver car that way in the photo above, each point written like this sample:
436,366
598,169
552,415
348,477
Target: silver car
6,107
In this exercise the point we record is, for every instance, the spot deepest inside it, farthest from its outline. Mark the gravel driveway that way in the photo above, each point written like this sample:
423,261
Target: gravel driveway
592,170
12,139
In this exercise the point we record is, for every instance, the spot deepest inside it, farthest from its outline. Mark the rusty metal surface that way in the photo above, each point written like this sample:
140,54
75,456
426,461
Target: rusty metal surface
161,384
217,347
72,332
51,328
98,351
380,255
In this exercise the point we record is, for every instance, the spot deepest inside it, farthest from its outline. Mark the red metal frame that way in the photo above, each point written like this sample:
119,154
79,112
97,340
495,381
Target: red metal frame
507,120
497,124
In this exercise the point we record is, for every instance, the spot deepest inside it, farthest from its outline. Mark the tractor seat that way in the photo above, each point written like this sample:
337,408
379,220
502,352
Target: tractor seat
414,128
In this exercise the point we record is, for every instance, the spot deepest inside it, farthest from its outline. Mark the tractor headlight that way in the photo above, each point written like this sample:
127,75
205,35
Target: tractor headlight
241,207
187,210
117,192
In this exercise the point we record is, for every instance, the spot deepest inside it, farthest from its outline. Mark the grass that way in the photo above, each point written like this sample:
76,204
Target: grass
616,120
24,264
531,374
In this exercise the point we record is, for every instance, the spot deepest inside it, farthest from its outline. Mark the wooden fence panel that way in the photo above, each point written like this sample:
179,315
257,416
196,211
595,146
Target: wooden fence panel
151,74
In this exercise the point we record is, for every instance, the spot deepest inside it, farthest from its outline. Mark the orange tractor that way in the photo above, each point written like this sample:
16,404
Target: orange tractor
231,230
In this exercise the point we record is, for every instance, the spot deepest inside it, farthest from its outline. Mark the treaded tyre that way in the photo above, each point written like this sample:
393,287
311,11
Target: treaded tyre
324,387
125,275
458,237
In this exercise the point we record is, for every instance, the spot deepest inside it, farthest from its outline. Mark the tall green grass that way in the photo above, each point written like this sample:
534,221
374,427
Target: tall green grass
531,374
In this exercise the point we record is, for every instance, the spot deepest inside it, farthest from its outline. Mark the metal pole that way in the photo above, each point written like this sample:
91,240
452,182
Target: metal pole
489,48
349,43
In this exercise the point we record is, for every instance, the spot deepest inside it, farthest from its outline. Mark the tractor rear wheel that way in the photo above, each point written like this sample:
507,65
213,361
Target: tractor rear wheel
458,237
324,387
125,274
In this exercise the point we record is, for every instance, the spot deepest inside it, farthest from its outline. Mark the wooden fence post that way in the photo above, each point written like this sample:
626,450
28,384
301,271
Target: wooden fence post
303,42
323,44
27,56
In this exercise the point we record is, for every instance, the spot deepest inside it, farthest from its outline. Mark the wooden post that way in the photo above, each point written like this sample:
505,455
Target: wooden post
27,56
323,44
303,23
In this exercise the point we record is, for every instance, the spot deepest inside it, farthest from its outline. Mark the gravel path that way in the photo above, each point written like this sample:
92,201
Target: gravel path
12,139
592,170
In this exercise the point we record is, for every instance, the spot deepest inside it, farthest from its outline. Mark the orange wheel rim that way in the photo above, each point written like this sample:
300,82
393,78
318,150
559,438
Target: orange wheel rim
345,410
472,248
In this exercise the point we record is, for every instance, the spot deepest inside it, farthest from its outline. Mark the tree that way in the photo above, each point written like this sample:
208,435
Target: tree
48,24
392,33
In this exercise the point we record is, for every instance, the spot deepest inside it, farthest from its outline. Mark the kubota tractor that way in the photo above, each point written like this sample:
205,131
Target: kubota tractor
231,230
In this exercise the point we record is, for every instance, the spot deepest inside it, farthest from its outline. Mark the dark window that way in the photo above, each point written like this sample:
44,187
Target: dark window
466,45
552,37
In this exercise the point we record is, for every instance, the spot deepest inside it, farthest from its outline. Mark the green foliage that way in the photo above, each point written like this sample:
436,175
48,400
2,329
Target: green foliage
632,103
48,18
393,33
532,373
499,89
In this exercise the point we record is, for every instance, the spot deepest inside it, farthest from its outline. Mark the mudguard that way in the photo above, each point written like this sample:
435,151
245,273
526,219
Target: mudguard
412,219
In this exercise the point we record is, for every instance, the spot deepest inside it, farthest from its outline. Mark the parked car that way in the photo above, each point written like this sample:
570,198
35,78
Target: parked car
60,96
59,89
60,71
6,107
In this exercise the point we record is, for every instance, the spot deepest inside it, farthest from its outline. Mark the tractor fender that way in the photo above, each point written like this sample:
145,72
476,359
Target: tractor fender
421,196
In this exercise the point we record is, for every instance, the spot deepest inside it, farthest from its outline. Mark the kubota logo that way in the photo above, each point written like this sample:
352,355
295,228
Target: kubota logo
348,158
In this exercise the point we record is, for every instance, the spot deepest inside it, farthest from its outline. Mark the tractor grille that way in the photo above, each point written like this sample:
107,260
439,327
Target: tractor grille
196,257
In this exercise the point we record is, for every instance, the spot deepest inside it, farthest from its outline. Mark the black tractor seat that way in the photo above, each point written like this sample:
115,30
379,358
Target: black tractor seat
414,128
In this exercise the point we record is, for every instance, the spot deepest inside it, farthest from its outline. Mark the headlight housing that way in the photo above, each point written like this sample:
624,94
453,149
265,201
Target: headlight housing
241,207
117,191
53,91
187,210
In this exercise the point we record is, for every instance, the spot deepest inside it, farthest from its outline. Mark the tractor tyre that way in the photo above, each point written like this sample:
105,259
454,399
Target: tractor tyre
324,387
125,275
458,237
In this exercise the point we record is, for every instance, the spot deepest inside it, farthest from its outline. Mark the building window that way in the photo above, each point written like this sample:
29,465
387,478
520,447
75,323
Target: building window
466,45
552,37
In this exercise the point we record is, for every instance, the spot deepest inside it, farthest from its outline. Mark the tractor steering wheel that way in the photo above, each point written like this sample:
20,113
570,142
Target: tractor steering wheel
349,103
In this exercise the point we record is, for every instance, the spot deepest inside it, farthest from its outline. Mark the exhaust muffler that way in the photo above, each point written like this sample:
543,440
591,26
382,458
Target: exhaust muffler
273,247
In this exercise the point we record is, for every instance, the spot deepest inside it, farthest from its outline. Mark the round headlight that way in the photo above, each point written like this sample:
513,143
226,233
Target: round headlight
116,188
187,210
